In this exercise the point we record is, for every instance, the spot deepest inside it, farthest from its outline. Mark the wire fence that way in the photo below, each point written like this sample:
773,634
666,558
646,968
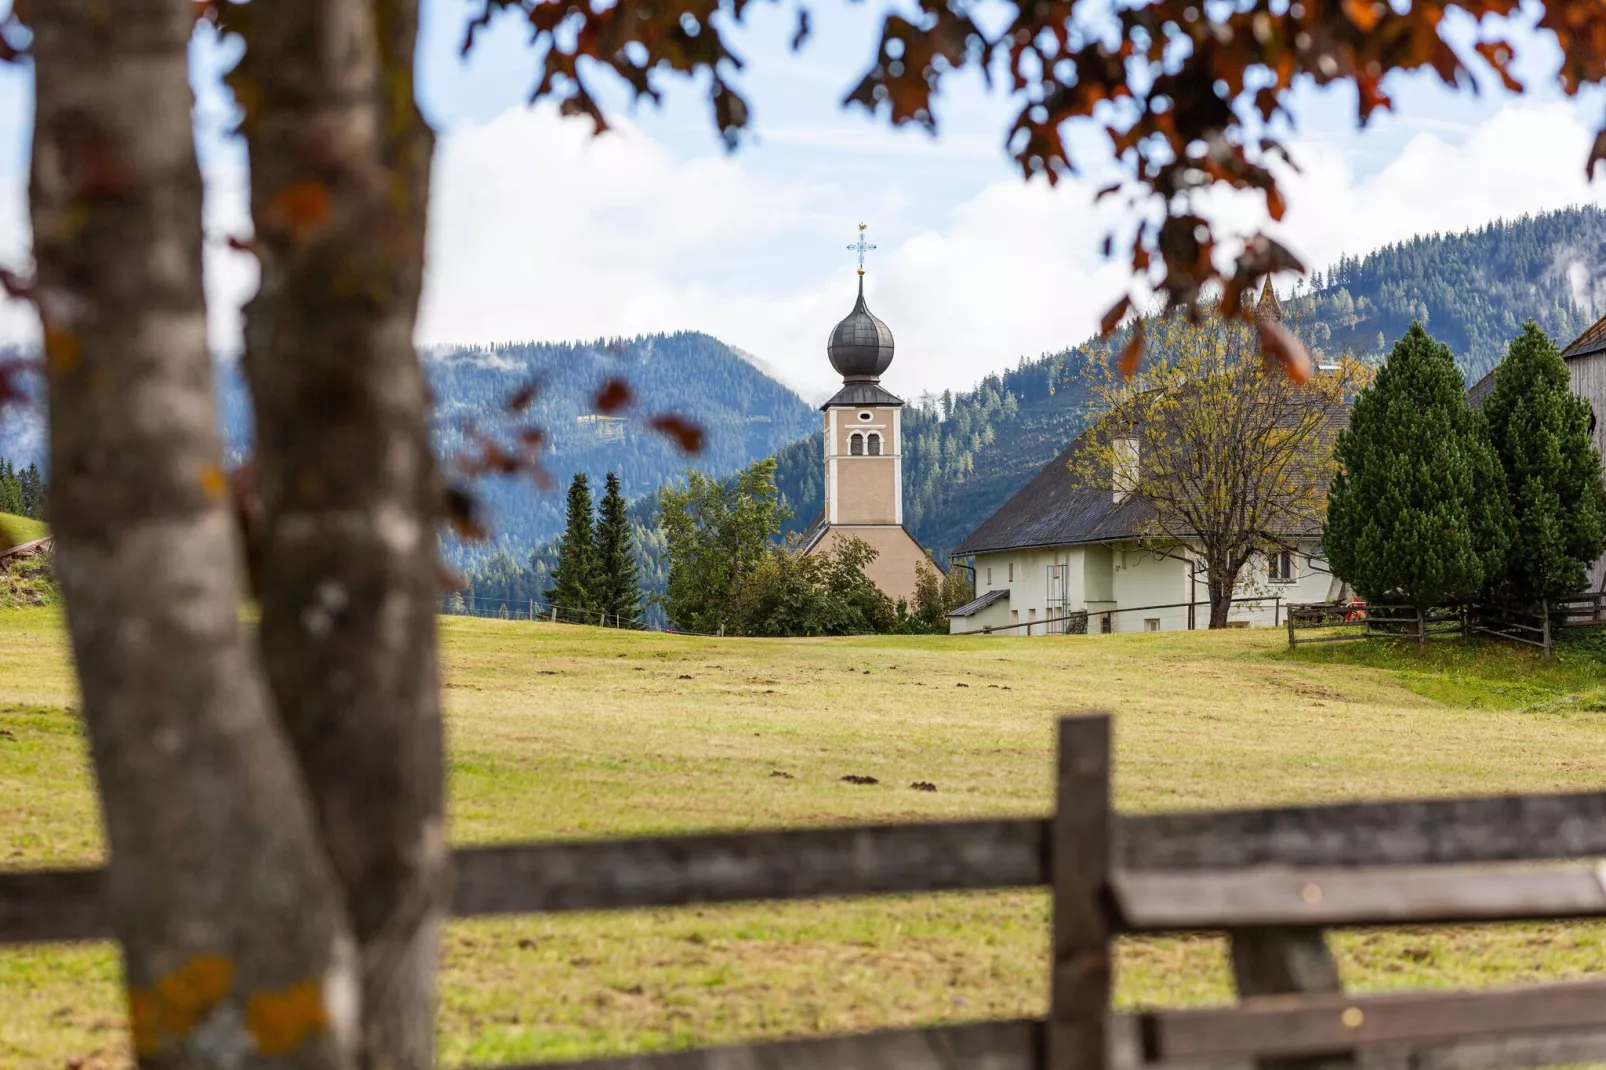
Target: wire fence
538,610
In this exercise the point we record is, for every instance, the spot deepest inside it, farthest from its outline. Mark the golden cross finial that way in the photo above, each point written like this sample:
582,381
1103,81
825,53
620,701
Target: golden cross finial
861,247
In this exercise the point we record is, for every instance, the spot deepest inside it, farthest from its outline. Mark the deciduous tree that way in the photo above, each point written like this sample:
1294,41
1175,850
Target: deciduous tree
1225,456
1540,431
1417,512
718,533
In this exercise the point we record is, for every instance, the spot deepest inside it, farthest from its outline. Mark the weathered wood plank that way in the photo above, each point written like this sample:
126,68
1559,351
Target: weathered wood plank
889,859
1279,959
1013,1045
732,867
1228,899
1316,1025
1425,832
53,904
1079,867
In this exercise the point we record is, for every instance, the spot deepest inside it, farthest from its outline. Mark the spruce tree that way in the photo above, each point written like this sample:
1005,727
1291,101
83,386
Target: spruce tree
574,580
10,490
1540,432
1418,512
618,591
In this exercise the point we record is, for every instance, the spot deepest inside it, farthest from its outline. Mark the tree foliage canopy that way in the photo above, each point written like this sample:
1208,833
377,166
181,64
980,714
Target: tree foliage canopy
1540,431
1231,458
1418,511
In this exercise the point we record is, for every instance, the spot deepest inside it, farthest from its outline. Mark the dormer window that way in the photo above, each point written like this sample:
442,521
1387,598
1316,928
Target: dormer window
856,445
867,416
875,444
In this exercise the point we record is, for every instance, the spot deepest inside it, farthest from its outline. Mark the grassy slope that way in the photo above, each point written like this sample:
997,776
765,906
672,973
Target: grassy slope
574,732
15,530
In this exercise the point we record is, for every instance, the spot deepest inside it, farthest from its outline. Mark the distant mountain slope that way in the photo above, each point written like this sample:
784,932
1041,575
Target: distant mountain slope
1473,290
744,413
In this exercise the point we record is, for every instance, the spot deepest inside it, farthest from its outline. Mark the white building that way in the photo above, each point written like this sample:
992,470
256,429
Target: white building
1055,550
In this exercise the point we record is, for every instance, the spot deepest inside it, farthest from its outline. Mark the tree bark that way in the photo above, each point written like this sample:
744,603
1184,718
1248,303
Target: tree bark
236,951
340,171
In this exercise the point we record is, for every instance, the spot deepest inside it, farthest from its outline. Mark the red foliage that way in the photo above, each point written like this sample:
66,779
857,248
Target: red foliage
687,435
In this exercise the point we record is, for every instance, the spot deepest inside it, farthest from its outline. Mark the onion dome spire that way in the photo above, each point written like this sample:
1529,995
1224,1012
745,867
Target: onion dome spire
860,347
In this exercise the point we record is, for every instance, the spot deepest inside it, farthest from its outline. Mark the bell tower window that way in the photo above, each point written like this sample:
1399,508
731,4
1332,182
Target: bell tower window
856,445
875,444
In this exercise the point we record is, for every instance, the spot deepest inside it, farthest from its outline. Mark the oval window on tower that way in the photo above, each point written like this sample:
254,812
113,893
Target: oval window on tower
866,416
856,445
875,444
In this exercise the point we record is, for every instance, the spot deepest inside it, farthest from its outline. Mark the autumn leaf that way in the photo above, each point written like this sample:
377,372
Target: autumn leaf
463,514
1132,352
1112,318
1279,344
687,435
614,395
523,396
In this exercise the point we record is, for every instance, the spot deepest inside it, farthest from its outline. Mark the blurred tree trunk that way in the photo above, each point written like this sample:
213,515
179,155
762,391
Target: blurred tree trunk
340,160
234,939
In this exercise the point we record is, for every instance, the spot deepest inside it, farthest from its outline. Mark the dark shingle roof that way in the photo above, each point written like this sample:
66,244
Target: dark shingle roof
1052,511
1591,341
976,605
860,392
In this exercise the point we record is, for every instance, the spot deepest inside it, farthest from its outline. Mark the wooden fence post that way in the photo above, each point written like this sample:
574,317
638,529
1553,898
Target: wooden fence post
1291,641
1079,871
1285,959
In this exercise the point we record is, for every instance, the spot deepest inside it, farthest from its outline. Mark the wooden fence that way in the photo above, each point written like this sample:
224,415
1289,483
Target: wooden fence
1337,622
1272,879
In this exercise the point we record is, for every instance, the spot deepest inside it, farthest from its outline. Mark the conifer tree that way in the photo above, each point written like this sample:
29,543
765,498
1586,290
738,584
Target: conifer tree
1418,511
1540,433
10,490
574,580
618,592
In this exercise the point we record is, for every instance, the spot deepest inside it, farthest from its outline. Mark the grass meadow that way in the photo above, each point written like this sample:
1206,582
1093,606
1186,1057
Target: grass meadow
558,732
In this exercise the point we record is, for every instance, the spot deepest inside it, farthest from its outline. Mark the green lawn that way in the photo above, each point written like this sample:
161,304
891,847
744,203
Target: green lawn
16,530
570,732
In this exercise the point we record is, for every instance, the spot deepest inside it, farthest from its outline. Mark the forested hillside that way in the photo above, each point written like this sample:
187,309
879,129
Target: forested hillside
744,413
1473,291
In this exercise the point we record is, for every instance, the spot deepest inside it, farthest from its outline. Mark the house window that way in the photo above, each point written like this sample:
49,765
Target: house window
875,444
1280,566
1012,572
856,445
866,416
1151,624
1014,616
989,575
1031,618
1106,623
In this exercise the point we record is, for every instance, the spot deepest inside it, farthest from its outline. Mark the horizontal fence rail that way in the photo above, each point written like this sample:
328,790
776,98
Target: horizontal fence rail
1271,878
667,871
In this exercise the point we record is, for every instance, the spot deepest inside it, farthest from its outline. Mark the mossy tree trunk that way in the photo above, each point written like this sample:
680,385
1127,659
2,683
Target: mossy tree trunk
235,945
340,160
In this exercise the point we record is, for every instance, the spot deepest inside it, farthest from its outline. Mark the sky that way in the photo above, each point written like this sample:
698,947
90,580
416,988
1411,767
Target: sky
540,231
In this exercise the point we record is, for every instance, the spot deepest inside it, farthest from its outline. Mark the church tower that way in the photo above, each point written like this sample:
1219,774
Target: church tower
864,450
863,439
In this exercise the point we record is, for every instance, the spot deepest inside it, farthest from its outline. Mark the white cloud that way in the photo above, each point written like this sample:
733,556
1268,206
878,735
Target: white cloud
539,231
1521,159
543,232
